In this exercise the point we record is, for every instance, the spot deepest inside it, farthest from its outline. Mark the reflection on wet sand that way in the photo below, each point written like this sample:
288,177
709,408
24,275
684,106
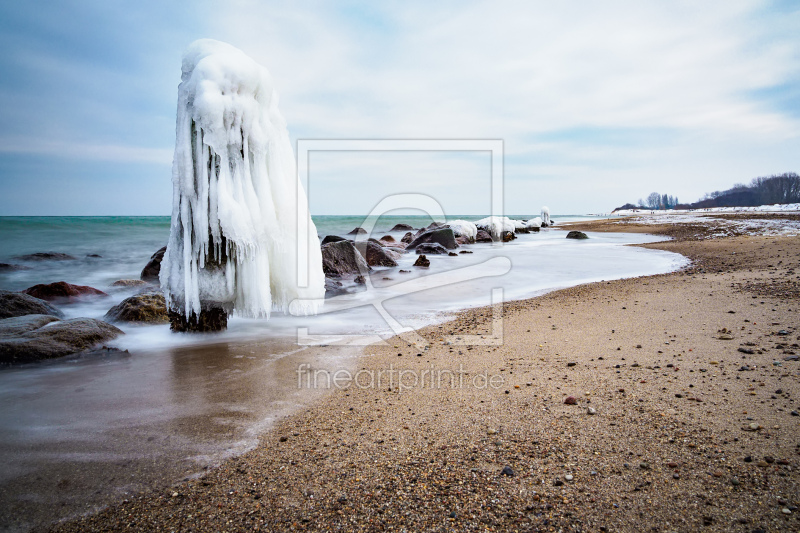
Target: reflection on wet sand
75,435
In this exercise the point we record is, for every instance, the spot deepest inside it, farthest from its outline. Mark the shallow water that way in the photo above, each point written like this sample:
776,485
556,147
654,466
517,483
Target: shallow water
76,433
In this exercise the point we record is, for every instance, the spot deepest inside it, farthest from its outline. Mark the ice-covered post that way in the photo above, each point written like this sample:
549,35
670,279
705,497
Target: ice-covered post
545,217
234,239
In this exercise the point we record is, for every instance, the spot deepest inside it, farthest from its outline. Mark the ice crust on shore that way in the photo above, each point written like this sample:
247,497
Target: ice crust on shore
497,225
240,218
463,228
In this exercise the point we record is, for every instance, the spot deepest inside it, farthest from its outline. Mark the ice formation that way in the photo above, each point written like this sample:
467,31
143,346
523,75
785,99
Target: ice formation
496,225
545,216
535,222
240,222
463,228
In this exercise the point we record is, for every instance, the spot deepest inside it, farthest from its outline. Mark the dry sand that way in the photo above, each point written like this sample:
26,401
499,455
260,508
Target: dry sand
695,424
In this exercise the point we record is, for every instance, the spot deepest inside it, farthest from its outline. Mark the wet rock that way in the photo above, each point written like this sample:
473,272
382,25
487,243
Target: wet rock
152,269
508,236
129,283
442,236
431,248
46,256
577,235
341,259
31,338
402,227
147,308
483,236
375,254
332,238
14,304
387,239
211,319
61,291
422,261
6,267
407,238
357,231
507,471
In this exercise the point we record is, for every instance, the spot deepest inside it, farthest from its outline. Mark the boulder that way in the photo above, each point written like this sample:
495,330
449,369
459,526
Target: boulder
46,256
483,236
18,304
375,254
357,231
61,291
148,308
443,236
6,267
376,241
333,287
577,235
211,319
153,267
432,248
462,240
341,259
402,227
130,283
407,238
332,238
422,261
36,337
508,236
387,239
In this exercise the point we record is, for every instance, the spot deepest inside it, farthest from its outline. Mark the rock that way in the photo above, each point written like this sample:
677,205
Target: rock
591,411
61,291
507,471
94,256
508,236
341,259
332,287
443,236
452,254
211,319
46,256
754,426
387,239
407,238
557,483
644,466
375,254
462,240
357,231
18,304
465,251
148,308
5,267
129,283
568,477
331,238
795,413
792,358
422,261
402,227
570,400
577,235
483,236
153,267
31,338
572,363
431,248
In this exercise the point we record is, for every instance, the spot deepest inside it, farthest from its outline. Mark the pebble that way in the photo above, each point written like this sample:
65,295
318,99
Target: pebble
491,431
644,466
676,476
569,477
786,510
754,426
591,411
734,482
507,471
572,363
557,483
571,400
795,413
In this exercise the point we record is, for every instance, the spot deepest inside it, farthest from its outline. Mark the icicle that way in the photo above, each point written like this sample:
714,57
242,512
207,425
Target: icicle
233,240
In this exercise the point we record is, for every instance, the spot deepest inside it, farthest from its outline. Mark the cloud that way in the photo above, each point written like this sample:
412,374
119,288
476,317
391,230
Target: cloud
86,151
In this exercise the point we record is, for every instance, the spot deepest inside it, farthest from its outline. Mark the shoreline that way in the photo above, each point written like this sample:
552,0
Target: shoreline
432,458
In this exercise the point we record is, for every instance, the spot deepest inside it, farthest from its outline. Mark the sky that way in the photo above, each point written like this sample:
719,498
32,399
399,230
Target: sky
596,103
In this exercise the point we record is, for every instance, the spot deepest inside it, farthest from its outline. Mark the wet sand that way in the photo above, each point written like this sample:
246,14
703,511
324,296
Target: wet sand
692,377
86,433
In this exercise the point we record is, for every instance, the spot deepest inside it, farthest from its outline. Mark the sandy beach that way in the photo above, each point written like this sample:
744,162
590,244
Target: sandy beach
662,403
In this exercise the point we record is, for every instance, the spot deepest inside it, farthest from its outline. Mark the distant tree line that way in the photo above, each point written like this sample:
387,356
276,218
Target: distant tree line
776,189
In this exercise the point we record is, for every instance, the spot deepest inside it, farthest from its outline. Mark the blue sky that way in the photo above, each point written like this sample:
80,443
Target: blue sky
597,103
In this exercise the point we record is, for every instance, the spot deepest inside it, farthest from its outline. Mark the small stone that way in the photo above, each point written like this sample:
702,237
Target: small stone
644,466
491,431
591,411
568,477
754,426
748,459
571,400
795,413
557,483
786,510
769,459
676,476
283,439
175,494
735,482
507,471
571,363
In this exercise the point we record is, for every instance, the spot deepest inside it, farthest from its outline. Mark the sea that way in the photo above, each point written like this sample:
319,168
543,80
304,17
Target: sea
81,432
